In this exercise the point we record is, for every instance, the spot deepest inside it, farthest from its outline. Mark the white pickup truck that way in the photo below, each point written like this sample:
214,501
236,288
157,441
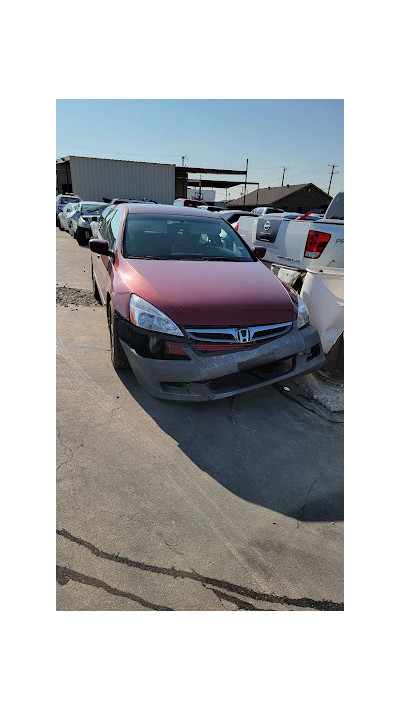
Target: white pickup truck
298,244
309,256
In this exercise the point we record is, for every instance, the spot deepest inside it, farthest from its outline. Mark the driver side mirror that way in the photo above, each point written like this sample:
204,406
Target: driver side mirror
99,246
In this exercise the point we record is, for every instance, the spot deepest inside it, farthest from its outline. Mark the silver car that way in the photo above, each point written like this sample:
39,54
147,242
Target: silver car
268,210
81,219
61,201
65,216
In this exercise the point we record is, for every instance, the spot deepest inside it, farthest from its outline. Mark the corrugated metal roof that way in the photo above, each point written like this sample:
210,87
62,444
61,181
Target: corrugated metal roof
121,160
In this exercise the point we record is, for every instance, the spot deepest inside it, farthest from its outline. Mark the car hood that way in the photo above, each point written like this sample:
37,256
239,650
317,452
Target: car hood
212,293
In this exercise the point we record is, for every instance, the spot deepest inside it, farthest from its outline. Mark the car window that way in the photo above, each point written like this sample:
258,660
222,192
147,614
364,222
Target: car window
67,199
95,210
175,237
103,215
105,225
335,210
113,230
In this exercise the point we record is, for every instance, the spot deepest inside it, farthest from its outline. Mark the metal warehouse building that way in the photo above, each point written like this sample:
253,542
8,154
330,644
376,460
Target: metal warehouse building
104,178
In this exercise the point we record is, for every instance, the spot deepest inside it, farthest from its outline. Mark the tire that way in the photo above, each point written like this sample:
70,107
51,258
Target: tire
81,239
96,292
118,357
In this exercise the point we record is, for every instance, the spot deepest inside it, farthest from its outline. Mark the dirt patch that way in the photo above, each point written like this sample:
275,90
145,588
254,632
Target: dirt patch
77,297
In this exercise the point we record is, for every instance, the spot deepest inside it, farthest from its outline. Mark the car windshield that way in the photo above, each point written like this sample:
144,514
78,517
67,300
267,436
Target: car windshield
91,209
176,237
65,200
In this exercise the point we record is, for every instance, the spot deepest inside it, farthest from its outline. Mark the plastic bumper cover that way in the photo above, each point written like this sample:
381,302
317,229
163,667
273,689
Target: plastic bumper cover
211,377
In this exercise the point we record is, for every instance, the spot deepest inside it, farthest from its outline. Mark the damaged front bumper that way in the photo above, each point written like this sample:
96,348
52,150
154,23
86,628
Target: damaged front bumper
212,377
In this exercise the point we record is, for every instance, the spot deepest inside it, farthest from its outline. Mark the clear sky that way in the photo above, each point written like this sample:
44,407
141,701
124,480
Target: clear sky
304,135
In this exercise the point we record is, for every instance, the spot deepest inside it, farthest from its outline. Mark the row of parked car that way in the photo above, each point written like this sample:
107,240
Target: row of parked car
80,217
76,216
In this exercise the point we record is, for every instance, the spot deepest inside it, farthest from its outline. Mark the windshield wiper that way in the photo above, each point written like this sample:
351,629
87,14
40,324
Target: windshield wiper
204,258
146,256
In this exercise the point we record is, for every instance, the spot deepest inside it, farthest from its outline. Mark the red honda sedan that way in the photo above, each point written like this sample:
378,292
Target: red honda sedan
191,308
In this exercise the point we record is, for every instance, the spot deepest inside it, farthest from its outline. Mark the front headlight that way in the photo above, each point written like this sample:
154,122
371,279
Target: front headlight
302,313
146,316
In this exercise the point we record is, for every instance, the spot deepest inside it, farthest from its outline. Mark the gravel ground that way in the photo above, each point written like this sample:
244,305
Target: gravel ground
77,297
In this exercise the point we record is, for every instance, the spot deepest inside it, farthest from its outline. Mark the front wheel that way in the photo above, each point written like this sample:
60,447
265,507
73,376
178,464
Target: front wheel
118,357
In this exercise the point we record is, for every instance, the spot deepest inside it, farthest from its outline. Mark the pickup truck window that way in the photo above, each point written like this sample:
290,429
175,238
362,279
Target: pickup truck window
175,237
335,210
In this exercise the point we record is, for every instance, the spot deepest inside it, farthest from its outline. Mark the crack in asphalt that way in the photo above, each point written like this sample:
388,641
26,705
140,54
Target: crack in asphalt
66,574
240,604
71,451
171,548
303,602
231,413
315,410
87,430
303,508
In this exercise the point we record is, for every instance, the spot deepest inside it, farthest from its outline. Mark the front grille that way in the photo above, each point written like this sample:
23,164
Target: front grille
229,335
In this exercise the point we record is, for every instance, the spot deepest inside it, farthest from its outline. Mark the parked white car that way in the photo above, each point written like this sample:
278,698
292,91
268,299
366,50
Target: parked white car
269,209
61,201
64,217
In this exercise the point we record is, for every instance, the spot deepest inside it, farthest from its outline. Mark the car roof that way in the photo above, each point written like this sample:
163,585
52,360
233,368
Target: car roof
236,212
150,208
92,202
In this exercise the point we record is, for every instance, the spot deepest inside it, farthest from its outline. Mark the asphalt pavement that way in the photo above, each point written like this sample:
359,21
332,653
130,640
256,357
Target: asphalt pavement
235,504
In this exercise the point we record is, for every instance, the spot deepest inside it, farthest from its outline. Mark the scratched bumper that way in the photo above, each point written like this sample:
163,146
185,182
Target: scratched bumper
212,377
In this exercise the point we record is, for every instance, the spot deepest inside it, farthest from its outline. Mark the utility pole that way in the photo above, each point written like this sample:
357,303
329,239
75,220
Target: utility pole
285,167
245,184
183,160
333,172
258,187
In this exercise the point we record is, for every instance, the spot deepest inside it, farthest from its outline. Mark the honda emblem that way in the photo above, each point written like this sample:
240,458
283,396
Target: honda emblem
243,335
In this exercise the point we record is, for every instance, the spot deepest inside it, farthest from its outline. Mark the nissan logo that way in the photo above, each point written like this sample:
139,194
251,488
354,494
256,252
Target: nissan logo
243,335
267,225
